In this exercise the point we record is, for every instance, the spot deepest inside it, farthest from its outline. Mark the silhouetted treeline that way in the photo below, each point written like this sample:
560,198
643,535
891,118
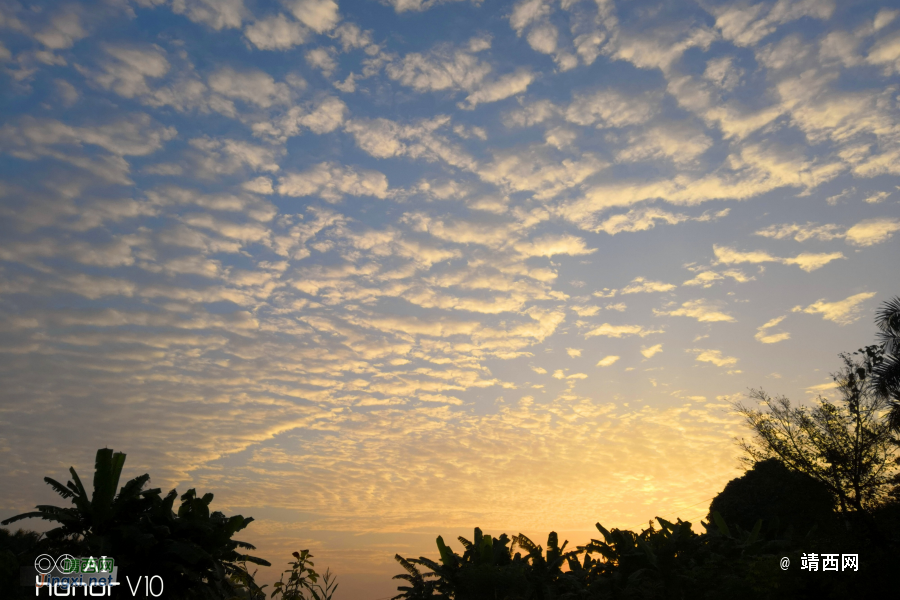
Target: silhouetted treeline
768,514
821,484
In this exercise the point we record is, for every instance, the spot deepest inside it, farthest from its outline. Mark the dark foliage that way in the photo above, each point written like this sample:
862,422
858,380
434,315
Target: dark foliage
16,551
777,496
191,549
886,380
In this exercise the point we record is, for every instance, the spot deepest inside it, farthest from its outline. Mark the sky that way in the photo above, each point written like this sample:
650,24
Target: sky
372,272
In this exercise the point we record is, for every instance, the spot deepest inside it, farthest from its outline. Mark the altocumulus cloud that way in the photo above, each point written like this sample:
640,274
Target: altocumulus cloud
299,251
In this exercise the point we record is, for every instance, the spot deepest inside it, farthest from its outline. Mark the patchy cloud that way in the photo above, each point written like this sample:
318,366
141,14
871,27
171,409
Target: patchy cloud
651,351
865,233
764,335
702,310
842,312
607,361
808,261
322,252
715,357
332,182
640,285
617,331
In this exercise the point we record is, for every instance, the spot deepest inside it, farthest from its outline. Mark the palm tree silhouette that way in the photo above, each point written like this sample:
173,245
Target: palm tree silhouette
886,378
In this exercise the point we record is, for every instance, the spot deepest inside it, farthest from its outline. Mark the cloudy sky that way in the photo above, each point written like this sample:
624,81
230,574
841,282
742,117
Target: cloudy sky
377,271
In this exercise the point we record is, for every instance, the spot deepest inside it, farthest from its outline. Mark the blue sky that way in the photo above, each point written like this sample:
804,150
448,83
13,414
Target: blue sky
377,271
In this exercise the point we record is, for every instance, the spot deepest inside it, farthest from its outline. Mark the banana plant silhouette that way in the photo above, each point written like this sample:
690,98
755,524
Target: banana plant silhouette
192,550
90,518
649,564
487,570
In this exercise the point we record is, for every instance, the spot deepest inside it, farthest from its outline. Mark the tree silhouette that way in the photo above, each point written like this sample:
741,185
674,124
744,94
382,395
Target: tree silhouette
847,446
777,496
192,550
886,376
488,569
16,551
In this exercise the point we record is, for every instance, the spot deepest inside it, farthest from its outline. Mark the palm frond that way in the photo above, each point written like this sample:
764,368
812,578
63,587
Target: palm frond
59,488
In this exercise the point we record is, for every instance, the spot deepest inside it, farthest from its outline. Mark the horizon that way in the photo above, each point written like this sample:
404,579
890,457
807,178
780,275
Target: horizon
374,272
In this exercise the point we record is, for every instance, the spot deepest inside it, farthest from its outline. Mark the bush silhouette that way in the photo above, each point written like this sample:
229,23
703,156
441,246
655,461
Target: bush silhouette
781,498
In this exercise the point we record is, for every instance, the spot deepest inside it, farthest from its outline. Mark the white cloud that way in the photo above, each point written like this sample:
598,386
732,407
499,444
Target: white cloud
876,198
383,138
531,114
715,357
527,12
552,245
641,285
573,352
253,87
331,182
163,169
67,92
722,72
539,172
747,24
707,279
643,219
401,6
322,59
499,89
865,233
324,116
137,135
129,67
754,170
543,38
764,336
676,142
586,311
225,156
617,331
809,261
62,32
842,312
611,108
318,15
560,137
806,261
822,387
884,17
444,68
872,231
218,14
607,361
801,233
255,208
351,36
886,52
702,310
260,185
275,33
649,352
348,86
